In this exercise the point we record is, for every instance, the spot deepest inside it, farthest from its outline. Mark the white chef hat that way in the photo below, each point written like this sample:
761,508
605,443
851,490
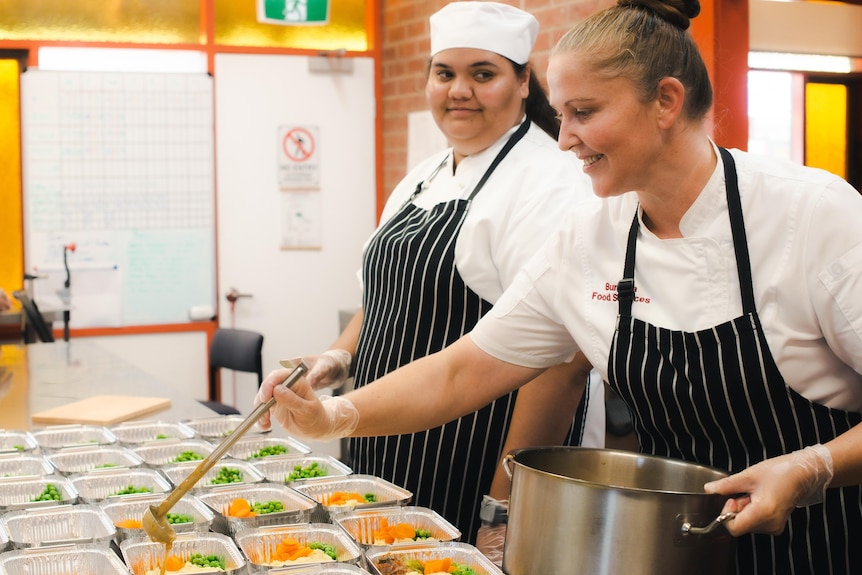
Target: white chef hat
491,26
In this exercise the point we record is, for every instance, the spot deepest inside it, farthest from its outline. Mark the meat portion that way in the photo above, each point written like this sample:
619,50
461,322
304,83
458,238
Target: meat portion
393,566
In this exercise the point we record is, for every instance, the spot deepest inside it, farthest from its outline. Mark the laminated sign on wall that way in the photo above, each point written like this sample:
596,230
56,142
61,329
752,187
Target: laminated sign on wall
292,12
299,181
298,165
300,220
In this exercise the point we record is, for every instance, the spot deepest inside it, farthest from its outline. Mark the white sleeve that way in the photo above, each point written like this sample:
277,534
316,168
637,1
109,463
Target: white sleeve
834,249
557,191
531,195
522,327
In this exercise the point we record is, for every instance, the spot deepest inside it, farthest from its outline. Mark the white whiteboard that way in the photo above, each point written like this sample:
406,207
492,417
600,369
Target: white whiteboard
121,165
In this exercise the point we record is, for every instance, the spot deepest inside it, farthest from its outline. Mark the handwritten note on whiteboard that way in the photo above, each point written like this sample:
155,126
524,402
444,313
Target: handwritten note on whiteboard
121,165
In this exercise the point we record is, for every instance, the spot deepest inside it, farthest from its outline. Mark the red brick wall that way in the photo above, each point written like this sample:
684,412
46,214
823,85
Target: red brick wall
405,55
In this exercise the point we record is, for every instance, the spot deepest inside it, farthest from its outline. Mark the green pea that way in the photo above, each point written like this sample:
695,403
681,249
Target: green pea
207,561
311,470
461,569
269,450
227,475
326,548
49,493
268,507
175,518
188,455
131,489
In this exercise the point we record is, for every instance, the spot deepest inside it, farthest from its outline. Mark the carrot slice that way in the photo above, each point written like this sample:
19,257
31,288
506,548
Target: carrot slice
240,507
438,565
286,548
174,563
382,531
403,531
342,497
301,552
289,543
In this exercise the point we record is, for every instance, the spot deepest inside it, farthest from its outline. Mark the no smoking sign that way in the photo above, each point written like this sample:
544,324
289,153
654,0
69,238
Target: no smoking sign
298,164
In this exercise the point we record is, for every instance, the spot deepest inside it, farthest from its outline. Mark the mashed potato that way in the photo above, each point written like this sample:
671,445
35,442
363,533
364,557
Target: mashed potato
195,563
316,556
187,568
414,572
399,566
422,539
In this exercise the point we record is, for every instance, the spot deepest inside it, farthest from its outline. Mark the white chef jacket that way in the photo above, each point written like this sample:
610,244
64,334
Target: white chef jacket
804,230
526,199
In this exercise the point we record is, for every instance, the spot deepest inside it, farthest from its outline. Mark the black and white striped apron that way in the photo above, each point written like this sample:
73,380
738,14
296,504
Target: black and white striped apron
716,397
416,303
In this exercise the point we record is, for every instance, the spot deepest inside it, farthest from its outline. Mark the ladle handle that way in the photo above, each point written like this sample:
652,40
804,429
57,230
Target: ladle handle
222,448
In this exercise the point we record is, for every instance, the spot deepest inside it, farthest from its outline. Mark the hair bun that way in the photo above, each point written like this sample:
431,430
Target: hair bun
677,12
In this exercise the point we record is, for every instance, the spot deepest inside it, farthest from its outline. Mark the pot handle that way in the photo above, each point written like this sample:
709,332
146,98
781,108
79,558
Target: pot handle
506,464
689,529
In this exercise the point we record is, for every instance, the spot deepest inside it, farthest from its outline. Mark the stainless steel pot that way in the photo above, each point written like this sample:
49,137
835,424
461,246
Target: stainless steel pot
578,510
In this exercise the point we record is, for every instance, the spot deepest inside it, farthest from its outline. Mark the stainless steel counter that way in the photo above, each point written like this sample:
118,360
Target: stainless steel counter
41,376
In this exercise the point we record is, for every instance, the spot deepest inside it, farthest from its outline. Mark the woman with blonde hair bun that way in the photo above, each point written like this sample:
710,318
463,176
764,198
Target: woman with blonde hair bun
716,291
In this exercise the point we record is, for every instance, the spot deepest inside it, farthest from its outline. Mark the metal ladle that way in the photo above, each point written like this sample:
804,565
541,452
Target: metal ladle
155,521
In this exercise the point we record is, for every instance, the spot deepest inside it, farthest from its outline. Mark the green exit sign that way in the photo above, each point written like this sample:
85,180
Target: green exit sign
290,12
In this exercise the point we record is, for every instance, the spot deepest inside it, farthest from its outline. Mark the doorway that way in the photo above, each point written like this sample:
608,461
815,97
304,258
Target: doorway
810,118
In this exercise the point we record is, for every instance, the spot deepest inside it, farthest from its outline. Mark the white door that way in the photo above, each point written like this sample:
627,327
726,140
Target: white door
298,281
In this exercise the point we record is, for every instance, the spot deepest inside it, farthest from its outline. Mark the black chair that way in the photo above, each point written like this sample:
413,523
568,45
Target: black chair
35,321
236,349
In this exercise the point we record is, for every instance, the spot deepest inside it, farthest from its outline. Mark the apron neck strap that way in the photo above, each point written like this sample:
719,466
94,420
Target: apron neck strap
626,286
737,228
507,147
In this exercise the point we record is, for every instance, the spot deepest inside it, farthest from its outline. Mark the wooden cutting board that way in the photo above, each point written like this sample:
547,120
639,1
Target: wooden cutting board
102,410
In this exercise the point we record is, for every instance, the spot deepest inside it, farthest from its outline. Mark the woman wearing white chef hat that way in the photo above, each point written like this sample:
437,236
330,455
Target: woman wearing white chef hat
452,236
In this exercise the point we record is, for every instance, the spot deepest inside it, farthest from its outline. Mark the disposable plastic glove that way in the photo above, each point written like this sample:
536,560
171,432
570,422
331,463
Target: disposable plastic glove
490,540
329,370
775,487
298,410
